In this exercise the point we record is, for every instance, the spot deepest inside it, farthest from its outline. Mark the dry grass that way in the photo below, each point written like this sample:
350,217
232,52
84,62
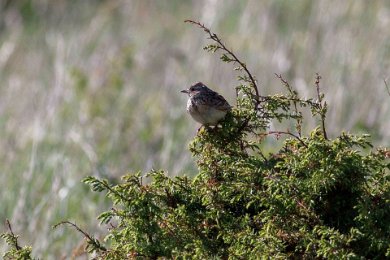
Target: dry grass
92,87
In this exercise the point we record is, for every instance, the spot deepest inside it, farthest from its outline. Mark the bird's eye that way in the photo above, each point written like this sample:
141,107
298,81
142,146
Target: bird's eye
191,88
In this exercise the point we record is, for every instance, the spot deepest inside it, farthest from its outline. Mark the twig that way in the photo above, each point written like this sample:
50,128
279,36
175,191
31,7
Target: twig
13,235
321,107
222,46
294,95
289,133
92,240
109,188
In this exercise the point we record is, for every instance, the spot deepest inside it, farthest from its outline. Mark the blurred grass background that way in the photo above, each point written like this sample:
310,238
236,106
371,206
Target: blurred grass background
92,88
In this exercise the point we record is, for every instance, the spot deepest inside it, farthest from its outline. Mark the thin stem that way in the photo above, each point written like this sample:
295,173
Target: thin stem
86,235
291,134
293,98
321,107
13,235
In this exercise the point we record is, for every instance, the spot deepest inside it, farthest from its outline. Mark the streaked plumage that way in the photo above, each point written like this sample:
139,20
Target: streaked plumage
205,105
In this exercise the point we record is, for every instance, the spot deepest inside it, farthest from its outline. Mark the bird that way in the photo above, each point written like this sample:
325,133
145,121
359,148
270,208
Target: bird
205,105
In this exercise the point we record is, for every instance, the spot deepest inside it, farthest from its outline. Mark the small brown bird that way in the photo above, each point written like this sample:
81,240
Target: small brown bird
205,105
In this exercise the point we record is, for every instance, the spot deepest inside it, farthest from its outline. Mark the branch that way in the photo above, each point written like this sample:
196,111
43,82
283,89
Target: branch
222,46
91,239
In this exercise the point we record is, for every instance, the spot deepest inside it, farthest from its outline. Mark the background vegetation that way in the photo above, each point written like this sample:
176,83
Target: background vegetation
92,88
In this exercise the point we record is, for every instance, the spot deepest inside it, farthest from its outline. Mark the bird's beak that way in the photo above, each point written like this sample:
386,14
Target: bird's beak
185,91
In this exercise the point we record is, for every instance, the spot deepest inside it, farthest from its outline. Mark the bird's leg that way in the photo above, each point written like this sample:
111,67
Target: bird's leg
205,128
208,128
200,128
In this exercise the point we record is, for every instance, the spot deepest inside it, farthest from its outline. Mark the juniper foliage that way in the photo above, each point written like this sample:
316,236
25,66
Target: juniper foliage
316,197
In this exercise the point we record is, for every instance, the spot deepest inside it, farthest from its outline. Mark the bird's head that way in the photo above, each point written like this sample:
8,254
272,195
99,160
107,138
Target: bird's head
195,89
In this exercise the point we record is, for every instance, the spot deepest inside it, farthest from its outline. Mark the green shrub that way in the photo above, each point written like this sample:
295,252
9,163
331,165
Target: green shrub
316,197
15,251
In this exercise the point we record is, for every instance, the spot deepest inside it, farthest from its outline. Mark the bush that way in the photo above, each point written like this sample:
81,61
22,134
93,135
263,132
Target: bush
314,198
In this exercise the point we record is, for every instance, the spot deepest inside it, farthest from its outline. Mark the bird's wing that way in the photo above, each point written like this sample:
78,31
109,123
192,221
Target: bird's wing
220,102
212,99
